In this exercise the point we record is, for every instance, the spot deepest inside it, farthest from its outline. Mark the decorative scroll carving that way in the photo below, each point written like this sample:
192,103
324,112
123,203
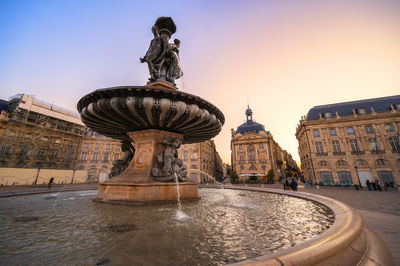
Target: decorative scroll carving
121,164
167,162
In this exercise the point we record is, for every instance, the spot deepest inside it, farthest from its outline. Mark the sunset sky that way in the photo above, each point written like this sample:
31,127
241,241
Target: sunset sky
280,57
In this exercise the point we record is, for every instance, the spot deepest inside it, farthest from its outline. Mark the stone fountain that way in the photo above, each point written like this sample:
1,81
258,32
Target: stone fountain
151,121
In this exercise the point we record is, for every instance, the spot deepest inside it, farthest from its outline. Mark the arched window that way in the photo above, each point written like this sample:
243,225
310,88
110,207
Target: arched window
323,163
341,163
380,162
361,163
241,168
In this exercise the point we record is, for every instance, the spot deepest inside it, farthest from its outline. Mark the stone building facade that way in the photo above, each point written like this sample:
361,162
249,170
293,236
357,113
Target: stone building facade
254,152
351,142
36,134
202,161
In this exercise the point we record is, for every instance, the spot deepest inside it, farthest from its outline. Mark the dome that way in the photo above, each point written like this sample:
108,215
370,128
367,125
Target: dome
250,125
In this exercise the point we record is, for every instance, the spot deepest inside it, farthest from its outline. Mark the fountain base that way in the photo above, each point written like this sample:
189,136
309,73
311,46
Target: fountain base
145,193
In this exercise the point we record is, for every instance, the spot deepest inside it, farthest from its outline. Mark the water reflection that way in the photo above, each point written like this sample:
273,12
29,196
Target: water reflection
222,227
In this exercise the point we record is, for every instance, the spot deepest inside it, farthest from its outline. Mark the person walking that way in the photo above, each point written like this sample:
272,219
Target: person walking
369,185
293,185
50,182
286,185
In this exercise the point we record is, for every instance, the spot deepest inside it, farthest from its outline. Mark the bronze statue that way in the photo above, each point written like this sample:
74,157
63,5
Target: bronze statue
168,163
120,165
162,57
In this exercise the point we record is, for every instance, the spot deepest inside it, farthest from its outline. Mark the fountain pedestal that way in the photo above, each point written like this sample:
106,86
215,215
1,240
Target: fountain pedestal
136,185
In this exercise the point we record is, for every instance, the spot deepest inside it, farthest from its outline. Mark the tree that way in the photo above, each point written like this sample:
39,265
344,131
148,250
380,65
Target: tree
270,176
234,176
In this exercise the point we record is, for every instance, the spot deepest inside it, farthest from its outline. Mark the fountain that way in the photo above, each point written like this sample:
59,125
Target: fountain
151,121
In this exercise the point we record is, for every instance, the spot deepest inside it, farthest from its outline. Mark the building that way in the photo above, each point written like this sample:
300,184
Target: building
351,142
254,152
36,134
202,161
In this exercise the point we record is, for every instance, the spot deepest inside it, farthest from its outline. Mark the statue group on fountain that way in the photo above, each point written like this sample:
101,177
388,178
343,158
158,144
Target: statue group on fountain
162,57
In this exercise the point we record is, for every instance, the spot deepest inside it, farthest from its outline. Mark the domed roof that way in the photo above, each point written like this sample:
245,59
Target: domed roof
250,125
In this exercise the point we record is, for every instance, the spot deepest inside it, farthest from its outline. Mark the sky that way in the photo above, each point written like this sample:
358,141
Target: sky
281,57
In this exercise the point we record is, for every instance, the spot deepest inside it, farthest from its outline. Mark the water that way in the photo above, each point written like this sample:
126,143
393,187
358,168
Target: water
180,215
225,226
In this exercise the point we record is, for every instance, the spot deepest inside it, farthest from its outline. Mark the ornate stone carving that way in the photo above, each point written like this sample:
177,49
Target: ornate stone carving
162,57
168,163
121,164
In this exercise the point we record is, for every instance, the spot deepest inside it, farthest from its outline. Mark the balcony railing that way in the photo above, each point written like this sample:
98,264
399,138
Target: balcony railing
377,152
339,153
358,152
322,154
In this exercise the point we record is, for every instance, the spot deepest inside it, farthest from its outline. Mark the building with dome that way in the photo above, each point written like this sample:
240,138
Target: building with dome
351,142
254,152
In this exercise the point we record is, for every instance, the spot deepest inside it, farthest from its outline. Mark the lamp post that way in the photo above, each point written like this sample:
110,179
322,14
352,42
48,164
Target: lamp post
358,177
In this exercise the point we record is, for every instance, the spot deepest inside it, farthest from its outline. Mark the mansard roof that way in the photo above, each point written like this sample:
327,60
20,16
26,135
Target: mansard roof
347,108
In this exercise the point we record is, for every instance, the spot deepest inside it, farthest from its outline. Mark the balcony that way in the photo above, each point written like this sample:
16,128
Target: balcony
396,152
357,152
377,152
339,153
322,154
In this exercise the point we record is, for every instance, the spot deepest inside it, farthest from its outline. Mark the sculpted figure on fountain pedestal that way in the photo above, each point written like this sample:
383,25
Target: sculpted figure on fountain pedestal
162,57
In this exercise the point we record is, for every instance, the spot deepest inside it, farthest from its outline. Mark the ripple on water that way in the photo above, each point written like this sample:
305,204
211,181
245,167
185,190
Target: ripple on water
225,226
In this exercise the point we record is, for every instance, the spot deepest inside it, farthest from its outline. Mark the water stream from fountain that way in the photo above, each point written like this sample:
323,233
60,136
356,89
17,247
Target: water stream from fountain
180,215
221,186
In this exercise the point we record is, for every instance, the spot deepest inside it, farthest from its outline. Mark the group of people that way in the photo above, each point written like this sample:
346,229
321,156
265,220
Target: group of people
374,185
290,186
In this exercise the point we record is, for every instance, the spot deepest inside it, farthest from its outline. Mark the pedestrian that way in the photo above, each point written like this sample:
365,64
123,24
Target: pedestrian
373,185
293,185
369,185
305,183
50,182
378,186
286,185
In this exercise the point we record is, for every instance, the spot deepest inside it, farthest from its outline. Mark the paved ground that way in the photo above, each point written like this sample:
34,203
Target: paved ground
380,211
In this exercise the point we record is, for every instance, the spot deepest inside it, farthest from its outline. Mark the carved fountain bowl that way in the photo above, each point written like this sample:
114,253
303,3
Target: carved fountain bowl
113,112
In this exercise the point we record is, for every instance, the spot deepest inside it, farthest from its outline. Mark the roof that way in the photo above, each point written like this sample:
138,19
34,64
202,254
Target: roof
382,104
250,127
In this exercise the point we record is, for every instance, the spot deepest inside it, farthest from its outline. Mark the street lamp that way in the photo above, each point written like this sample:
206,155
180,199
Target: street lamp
358,177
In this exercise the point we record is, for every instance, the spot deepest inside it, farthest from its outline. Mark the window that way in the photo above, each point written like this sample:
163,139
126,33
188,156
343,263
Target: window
57,141
380,162
353,145
261,146
262,156
350,131
361,162
386,177
332,132
326,177
241,168
241,157
84,156
373,145
344,177
394,143
116,156
117,148
86,145
24,151
106,155
67,156
54,153
361,111
319,147
95,156
336,146
341,163
70,144
107,147
397,106
97,146
40,153
389,128
369,129
327,114
323,163
185,155
263,167
240,147
194,155
252,154
316,133
5,149
194,166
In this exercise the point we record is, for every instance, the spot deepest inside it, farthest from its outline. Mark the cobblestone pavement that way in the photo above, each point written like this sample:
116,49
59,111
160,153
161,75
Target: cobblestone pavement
380,211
